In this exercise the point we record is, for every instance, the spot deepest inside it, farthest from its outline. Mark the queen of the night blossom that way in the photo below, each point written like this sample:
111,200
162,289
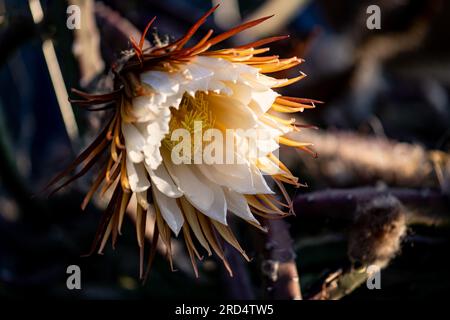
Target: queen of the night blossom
160,89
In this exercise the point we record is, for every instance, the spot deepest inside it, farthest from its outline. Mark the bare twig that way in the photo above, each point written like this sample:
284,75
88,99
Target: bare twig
54,69
279,267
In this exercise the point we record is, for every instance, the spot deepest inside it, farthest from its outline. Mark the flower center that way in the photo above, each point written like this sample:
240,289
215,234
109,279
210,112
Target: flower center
191,112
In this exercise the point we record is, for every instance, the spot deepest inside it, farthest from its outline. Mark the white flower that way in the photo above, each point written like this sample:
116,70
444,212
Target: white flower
163,90
238,96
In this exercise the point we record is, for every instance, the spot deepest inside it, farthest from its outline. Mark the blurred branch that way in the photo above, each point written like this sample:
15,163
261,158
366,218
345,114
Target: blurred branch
279,267
347,159
339,284
367,78
424,206
286,10
86,44
18,32
228,15
54,69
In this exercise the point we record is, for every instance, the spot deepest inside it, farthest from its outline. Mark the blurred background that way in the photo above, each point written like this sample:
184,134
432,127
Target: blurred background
377,193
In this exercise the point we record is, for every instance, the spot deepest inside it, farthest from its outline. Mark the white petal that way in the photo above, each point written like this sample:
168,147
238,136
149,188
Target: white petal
270,123
137,176
198,78
219,87
152,156
134,142
195,190
173,101
246,70
269,167
259,183
264,99
223,70
242,178
231,112
237,204
170,211
205,196
154,132
163,181
267,146
253,80
162,82
227,178
218,209
269,82
241,92
144,107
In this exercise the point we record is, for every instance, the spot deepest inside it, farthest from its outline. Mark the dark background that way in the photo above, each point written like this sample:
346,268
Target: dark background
383,90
